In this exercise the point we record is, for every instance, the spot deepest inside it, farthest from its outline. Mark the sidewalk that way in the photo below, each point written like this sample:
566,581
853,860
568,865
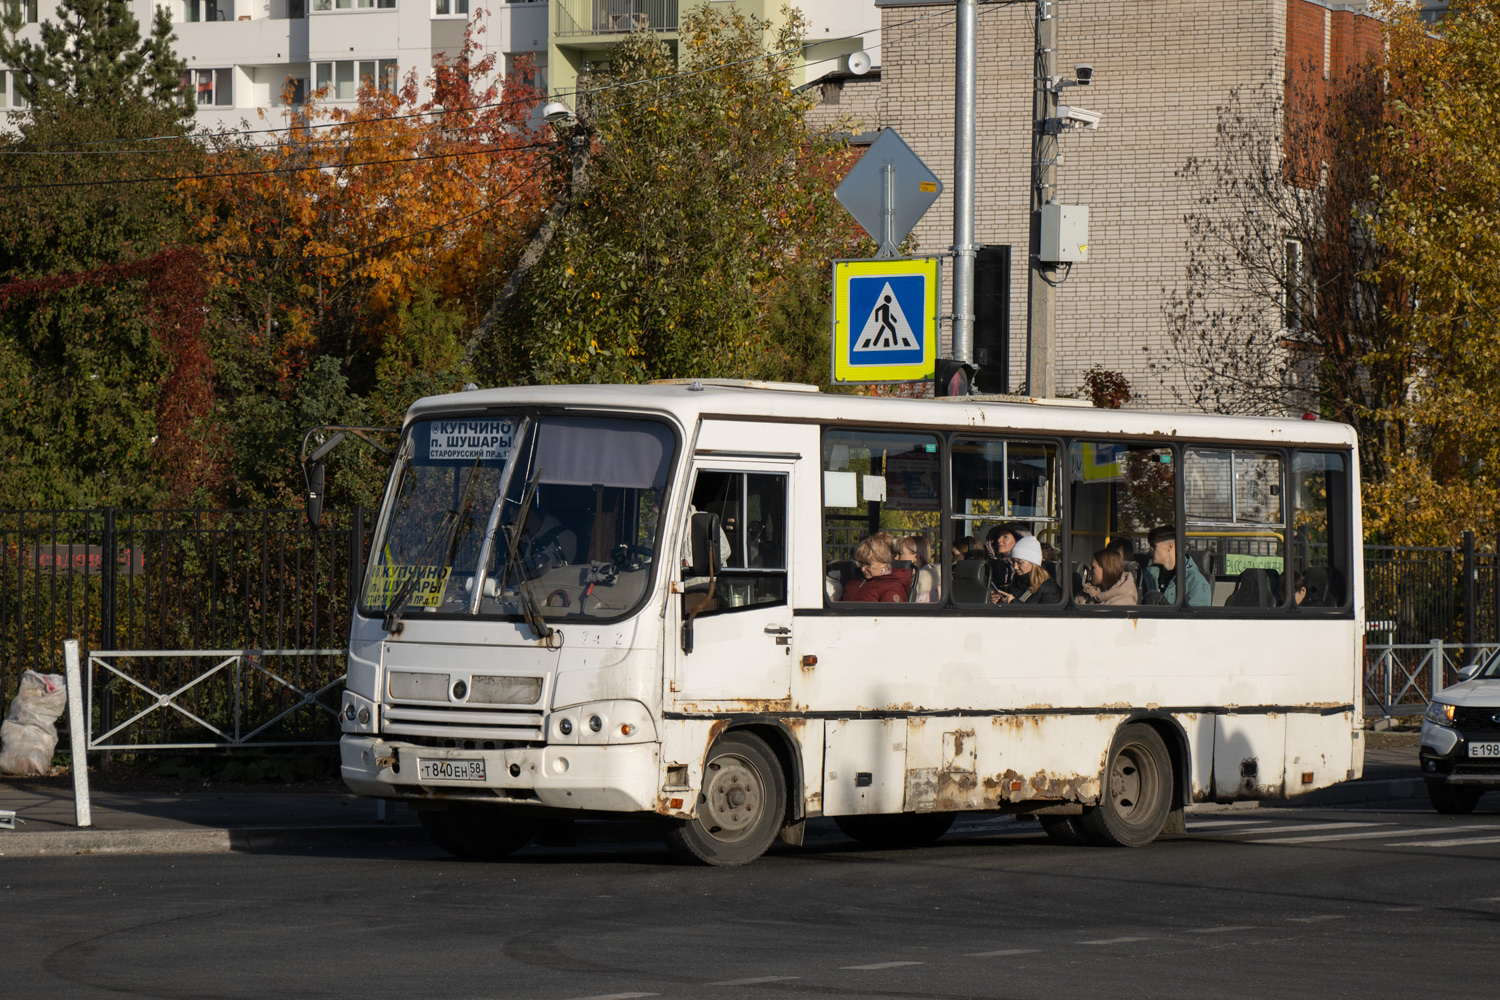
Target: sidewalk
164,820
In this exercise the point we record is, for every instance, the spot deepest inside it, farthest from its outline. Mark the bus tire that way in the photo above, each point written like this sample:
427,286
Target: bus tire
1064,830
740,806
1137,792
1451,800
898,830
481,833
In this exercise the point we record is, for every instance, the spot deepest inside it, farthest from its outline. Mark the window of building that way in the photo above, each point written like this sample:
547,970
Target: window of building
1122,491
451,8
194,11
752,516
1322,542
1298,298
10,95
877,481
1236,524
343,79
999,484
529,69
210,87
28,9
332,5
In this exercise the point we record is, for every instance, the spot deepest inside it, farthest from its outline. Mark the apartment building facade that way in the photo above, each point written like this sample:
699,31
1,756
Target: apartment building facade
245,56
1161,72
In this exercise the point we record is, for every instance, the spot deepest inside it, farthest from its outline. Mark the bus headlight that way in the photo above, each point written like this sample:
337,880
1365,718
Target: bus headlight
358,714
603,722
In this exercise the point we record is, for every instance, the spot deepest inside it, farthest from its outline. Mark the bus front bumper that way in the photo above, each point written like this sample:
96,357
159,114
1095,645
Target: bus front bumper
620,778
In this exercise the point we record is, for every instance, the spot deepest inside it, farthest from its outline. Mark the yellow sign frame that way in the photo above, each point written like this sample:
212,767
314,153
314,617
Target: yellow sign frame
847,372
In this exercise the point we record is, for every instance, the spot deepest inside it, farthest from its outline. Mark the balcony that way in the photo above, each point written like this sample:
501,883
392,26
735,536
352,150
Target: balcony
572,18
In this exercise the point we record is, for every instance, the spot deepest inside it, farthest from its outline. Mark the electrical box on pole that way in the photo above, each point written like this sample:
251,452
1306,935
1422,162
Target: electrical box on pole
1065,234
992,319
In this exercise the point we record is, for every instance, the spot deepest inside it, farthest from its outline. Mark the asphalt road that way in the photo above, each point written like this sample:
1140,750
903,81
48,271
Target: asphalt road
1357,902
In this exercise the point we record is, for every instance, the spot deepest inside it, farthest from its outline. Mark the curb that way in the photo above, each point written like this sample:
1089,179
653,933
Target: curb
206,841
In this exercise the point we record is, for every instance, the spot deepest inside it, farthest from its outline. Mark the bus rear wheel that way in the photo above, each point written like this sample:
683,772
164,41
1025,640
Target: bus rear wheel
899,830
1137,793
740,806
482,833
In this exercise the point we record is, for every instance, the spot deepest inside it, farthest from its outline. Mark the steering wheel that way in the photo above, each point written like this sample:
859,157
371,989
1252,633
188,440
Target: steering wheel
626,556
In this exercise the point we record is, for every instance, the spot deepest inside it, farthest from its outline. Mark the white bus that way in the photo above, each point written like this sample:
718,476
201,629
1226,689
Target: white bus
591,600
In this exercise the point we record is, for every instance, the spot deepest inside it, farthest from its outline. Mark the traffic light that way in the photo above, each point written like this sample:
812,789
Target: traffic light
992,319
952,378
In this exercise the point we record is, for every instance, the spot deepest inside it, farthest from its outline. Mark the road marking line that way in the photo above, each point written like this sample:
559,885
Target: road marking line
1316,920
1201,823
1403,909
1303,827
1118,940
1448,843
1220,930
1488,899
752,981
1399,832
1004,953
619,996
876,966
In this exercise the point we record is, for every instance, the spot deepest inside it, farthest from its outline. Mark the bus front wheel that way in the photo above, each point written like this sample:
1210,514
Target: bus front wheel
1137,793
740,806
483,833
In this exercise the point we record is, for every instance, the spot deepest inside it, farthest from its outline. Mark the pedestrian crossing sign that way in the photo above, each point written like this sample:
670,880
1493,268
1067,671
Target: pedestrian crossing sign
885,319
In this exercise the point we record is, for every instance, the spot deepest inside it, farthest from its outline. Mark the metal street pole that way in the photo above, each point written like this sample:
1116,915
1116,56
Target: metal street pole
963,182
1041,318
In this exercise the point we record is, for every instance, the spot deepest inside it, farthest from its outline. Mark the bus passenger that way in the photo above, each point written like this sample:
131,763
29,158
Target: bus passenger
879,580
916,550
1032,584
997,546
967,547
1163,539
1299,587
1108,582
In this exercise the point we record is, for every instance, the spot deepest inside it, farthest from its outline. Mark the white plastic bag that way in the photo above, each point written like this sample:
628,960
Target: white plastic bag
29,734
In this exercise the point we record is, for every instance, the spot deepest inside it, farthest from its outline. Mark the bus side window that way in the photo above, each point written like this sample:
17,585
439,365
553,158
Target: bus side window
751,511
1236,524
1004,490
877,481
1119,493
1322,543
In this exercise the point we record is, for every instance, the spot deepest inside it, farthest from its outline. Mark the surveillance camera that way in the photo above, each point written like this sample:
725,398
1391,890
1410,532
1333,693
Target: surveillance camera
556,112
1085,73
1082,116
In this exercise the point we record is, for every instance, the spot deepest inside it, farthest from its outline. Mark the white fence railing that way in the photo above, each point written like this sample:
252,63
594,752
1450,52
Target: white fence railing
1401,678
152,699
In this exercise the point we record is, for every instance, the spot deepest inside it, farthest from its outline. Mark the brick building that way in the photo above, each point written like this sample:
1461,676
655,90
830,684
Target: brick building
1161,71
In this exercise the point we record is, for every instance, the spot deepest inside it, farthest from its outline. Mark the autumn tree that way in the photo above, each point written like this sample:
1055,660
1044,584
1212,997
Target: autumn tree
1438,219
701,244
103,390
351,248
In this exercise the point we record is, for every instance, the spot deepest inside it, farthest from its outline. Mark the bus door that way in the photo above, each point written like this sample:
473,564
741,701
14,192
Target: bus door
734,621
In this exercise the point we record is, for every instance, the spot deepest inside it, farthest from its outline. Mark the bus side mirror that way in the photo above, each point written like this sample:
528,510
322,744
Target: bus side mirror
313,474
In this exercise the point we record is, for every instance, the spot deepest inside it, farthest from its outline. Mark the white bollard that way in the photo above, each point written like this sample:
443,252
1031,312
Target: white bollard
78,736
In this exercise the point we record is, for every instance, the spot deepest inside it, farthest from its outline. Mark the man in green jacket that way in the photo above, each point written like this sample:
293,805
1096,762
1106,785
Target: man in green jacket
1163,540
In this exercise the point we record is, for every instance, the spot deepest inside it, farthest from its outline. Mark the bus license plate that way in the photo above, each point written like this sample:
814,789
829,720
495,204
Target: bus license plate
450,770
1484,749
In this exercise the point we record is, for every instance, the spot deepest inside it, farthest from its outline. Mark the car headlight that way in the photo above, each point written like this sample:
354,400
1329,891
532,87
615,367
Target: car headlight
1439,714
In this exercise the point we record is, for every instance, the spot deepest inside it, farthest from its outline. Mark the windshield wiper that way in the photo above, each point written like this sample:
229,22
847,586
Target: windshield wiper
529,608
448,530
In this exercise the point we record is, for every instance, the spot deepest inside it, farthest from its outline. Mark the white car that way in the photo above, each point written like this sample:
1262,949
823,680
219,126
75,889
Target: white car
1461,740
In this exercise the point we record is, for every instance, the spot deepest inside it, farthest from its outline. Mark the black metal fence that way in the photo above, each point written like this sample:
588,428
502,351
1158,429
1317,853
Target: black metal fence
173,580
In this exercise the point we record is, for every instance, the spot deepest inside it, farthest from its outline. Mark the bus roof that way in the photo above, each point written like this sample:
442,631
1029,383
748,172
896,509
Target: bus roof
689,400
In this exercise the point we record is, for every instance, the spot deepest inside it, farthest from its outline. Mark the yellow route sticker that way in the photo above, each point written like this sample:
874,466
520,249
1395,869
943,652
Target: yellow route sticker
386,581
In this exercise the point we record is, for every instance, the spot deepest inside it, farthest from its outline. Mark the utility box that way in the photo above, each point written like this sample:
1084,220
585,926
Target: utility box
1065,233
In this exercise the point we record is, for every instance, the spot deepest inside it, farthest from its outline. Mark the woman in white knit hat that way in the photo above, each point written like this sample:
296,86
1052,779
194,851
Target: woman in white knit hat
1032,584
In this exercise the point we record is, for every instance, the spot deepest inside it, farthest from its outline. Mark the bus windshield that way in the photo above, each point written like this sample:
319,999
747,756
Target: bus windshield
583,545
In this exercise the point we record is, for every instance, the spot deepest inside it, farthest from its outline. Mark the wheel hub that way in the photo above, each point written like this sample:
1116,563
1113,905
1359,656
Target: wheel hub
732,797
